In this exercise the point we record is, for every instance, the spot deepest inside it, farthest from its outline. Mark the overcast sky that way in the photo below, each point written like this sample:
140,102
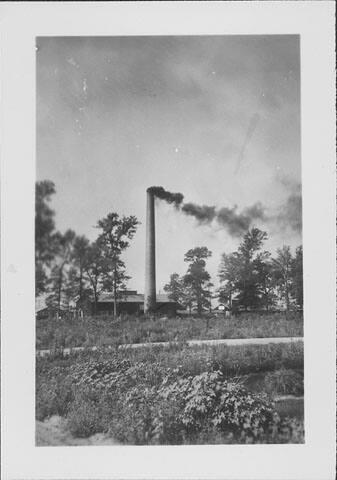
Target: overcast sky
216,118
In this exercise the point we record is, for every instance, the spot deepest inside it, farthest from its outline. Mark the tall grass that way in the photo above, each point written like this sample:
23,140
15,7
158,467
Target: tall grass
100,331
234,360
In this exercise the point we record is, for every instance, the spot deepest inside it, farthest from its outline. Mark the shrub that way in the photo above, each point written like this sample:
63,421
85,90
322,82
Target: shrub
284,382
172,396
54,395
88,413
206,401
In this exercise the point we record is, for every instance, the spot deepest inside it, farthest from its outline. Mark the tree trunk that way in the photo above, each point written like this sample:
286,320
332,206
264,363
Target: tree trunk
95,300
287,295
81,288
59,289
115,292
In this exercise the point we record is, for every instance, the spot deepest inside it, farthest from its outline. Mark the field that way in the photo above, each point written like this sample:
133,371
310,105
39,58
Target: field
106,330
174,395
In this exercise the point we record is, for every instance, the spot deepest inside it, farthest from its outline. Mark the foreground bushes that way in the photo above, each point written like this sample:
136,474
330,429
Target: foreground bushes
179,410
230,360
156,400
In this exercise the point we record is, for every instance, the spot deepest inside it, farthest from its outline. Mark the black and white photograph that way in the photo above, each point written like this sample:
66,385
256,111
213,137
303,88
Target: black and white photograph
168,240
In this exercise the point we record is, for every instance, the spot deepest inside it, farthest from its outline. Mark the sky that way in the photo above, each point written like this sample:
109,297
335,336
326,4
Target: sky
216,118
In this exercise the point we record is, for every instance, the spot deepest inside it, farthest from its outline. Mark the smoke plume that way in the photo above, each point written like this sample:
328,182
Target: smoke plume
235,222
174,198
203,213
289,215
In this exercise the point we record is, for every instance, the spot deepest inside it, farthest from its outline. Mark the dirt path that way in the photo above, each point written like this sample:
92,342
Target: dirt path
53,432
189,343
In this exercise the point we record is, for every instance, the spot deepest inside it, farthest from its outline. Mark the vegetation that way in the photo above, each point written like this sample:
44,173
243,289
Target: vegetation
255,280
113,240
168,396
105,330
174,394
71,269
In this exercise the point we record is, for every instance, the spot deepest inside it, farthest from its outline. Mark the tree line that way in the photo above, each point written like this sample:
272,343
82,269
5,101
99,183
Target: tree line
250,278
69,266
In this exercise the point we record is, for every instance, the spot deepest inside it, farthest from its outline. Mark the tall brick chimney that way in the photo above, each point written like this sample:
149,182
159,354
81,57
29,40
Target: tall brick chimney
150,256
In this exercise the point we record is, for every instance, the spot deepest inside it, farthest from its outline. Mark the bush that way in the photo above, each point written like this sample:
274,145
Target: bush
208,402
169,395
88,413
147,404
54,394
284,382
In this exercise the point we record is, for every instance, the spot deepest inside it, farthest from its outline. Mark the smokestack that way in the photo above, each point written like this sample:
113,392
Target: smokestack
150,255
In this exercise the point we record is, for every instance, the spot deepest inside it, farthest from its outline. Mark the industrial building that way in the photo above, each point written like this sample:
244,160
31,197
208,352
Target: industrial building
132,302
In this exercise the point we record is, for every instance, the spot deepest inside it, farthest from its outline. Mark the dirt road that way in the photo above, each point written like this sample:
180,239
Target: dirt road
189,343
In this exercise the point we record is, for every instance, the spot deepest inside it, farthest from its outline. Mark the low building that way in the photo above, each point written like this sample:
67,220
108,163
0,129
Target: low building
132,302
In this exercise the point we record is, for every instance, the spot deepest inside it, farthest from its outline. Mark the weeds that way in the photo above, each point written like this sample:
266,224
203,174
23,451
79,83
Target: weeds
100,331
169,395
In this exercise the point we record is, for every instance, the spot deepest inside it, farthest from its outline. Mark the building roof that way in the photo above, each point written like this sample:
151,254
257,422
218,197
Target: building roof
133,298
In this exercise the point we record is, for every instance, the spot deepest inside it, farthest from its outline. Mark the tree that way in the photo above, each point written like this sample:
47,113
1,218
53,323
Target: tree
297,277
64,244
265,279
187,294
197,278
241,271
282,268
175,288
229,273
44,229
94,269
114,239
79,257
248,281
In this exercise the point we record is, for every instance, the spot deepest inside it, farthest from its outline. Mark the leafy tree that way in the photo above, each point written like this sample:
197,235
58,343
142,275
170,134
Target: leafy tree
266,280
241,271
229,273
79,258
197,278
114,238
94,269
64,244
175,288
297,277
44,229
282,268
187,294
248,282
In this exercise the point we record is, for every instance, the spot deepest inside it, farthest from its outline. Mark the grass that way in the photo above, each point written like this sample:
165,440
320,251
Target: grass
100,331
140,396
234,360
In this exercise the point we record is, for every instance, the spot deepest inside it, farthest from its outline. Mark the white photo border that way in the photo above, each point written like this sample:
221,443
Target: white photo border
20,24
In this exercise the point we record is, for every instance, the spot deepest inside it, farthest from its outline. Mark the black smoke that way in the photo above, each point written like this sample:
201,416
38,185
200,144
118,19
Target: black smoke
203,213
290,214
174,198
236,222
